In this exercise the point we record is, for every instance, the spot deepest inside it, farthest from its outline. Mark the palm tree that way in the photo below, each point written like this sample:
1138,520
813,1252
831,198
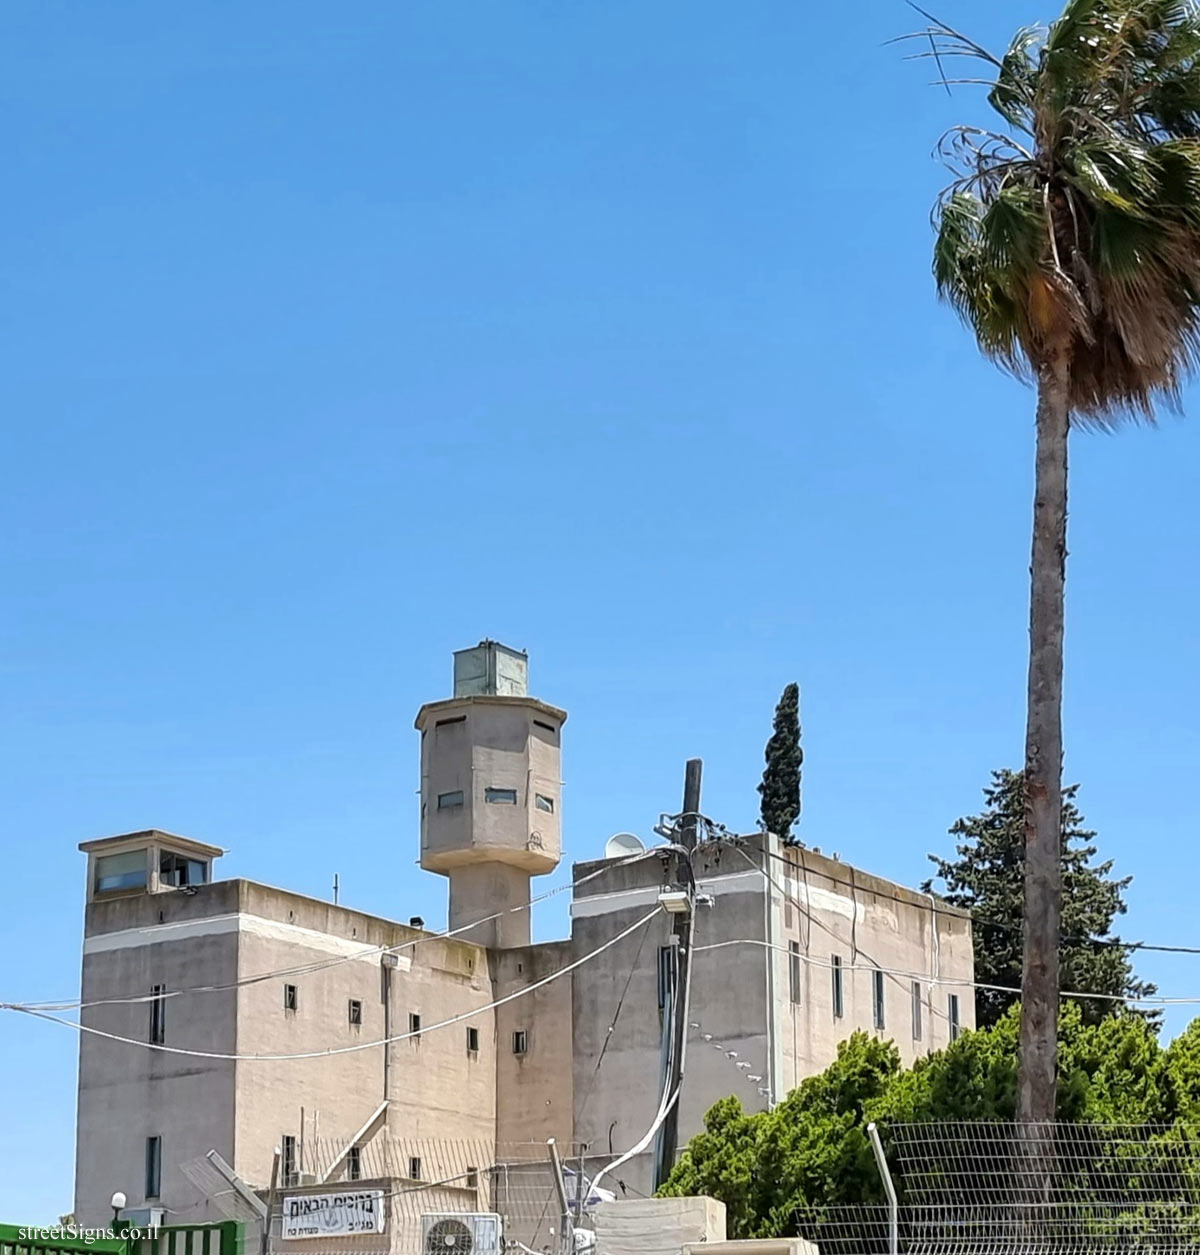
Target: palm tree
1070,243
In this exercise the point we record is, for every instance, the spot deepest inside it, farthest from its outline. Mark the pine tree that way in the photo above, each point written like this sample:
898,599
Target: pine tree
988,879
780,787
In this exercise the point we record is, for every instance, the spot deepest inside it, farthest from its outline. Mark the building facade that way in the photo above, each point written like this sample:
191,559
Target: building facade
231,1017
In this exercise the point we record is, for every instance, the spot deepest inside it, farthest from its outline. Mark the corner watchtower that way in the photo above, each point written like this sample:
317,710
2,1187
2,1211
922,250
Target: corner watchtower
491,791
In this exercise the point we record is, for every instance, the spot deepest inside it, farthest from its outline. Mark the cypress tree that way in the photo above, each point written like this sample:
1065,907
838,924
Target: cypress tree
780,787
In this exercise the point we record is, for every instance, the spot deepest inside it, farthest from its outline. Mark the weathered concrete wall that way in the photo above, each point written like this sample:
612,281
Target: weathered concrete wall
867,923
128,1093
534,1090
729,1001
436,1087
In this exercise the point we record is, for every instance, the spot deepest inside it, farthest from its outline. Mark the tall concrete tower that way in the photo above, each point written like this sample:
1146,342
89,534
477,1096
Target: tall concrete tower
491,791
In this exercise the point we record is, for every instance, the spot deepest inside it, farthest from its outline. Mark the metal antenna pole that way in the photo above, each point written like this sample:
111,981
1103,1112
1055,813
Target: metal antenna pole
682,936
889,1188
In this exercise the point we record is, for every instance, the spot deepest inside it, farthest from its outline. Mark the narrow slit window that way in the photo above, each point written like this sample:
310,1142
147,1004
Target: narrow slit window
918,1027
153,1167
291,997
414,1168
472,1178
795,971
447,801
500,797
953,1013
355,1013
158,1015
414,1023
354,1164
287,1160
877,1007
839,1000
472,1041
520,1042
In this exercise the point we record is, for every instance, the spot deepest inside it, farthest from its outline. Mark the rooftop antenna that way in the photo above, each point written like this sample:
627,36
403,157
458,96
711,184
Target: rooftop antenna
335,888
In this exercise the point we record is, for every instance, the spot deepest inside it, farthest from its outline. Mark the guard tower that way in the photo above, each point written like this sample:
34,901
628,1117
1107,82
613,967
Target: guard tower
491,790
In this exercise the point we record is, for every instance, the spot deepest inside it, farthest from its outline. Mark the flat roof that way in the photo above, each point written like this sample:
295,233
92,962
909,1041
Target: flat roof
188,845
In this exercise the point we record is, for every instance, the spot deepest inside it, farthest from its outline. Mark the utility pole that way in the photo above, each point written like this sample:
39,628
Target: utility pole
681,932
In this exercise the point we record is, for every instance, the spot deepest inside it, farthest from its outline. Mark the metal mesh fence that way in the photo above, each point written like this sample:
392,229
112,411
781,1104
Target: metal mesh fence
418,1178
990,1188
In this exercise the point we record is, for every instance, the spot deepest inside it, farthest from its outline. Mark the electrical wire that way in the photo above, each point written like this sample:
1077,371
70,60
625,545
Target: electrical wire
964,984
1111,942
323,964
338,1050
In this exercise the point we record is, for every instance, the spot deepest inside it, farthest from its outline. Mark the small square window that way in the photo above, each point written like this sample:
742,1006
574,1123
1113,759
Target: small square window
520,1042
448,800
414,1168
504,797
355,1012
291,997
473,1041
544,803
354,1164
414,1023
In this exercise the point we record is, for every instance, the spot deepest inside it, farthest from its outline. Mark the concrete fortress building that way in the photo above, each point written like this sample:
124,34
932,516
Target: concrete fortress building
224,1019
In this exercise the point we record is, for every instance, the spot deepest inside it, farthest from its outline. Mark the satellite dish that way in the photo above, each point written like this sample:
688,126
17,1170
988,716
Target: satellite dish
623,844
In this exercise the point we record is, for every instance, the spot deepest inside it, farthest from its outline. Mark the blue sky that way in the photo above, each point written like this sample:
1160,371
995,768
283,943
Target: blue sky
335,338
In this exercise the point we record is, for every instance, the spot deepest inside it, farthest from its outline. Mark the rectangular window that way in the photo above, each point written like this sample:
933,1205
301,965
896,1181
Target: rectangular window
472,1041
916,1010
877,1008
414,1023
953,1011
445,723
414,1168
520,1042
176,870
545,727
472,1178
288,1168
153,1167
667,960
158,1021
448,800
544,803
121,871
355,1012
794,970
839,1002
354,1164
291,997
505,797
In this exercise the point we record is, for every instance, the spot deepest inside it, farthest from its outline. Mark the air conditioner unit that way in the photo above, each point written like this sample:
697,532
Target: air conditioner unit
306,1178
461,1233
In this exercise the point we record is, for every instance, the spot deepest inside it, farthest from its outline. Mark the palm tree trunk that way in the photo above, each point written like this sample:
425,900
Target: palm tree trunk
1043,752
